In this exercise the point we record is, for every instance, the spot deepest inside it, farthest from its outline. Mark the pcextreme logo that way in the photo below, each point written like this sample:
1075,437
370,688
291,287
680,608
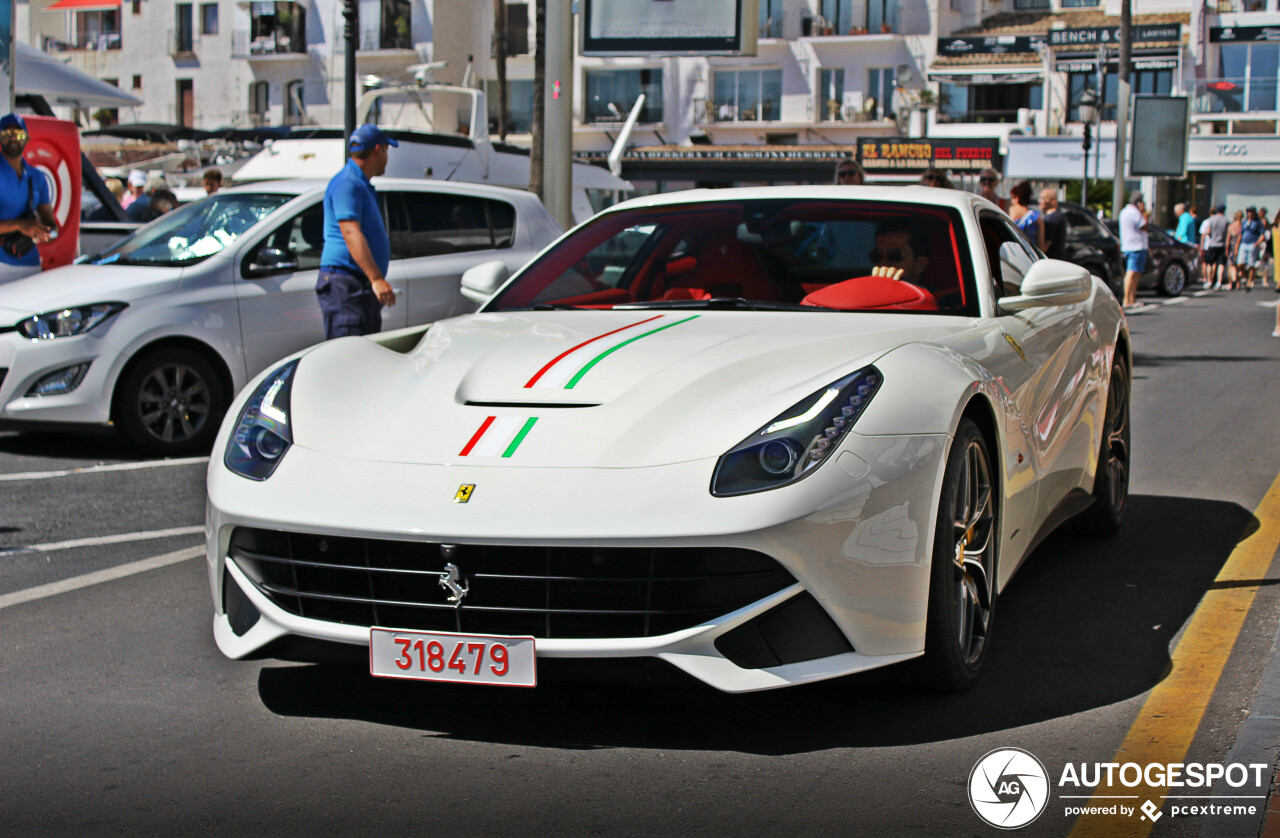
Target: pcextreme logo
1009,788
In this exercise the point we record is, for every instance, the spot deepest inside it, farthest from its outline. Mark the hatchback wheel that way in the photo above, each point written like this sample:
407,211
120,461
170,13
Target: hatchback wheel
170,402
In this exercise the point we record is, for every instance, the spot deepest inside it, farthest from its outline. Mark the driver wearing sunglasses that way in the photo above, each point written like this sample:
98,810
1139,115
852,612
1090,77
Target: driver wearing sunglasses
901,251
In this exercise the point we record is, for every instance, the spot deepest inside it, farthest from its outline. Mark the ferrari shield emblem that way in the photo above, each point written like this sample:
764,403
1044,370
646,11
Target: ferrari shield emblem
464,493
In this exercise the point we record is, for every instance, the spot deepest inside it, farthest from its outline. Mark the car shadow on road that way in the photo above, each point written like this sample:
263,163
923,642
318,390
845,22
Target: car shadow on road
96,444
1085,623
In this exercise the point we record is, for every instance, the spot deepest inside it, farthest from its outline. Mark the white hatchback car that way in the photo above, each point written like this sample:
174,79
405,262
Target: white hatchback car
157,333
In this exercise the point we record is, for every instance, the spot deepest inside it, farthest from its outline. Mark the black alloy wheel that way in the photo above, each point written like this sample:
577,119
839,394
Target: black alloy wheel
962,578
170,402
1111,483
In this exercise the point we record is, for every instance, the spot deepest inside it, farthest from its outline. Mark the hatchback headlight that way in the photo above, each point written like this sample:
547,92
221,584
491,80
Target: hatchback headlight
264,432
797,442
67,322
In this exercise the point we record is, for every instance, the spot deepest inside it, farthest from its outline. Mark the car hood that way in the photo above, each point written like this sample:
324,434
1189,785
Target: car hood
76,285
603,389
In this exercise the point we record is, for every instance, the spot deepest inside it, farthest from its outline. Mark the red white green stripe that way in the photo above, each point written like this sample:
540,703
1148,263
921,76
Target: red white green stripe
498,436
586,369
556,360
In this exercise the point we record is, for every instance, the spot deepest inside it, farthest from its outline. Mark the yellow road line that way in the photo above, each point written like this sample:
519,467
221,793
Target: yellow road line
1168,721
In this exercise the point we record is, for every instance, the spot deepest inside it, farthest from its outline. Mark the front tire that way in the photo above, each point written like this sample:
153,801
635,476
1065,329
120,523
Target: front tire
962,578
170,402
1111,483
1173,279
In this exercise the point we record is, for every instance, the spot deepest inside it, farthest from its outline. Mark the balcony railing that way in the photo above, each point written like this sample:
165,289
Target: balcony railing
790,108
1233,6
1231,96
272,42
380,38
876,17
1003,115
771,28
87,41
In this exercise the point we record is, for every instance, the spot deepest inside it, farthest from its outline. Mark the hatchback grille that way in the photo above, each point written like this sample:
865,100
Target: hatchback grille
543,592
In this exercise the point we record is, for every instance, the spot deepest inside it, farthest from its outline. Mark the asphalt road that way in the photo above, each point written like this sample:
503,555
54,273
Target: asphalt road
119,716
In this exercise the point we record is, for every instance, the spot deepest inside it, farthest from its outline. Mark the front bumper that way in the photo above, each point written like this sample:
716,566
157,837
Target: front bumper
26,361
854,537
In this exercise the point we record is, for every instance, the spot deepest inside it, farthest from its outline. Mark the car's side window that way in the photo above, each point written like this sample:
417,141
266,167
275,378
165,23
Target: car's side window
1008,254
1079,225
432,223
302,235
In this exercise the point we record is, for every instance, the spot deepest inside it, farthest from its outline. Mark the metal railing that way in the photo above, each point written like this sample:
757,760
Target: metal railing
88,41
1228,96
377,38
1003,115
790,108
275,42
181,41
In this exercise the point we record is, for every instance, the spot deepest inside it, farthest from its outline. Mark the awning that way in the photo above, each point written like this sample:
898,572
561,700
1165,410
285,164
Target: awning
985,76
38,74
83,6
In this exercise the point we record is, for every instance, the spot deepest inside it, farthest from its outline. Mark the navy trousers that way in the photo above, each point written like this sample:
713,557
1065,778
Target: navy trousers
348,303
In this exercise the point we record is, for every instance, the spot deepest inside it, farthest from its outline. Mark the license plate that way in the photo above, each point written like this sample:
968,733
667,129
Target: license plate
460,658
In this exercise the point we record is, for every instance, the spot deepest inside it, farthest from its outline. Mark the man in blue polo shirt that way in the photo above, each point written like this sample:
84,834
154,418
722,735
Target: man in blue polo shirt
26,206
352,285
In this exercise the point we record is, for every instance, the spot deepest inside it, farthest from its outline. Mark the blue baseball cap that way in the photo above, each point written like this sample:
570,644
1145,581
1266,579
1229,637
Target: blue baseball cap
368,136
12,120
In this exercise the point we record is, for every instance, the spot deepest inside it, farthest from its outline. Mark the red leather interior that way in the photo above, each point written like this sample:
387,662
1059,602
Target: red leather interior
873,293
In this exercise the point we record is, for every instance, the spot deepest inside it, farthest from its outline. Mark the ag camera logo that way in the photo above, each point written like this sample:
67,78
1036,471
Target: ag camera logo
1008,788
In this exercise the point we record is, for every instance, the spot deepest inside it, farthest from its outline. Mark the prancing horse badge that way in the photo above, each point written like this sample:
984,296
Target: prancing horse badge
464,493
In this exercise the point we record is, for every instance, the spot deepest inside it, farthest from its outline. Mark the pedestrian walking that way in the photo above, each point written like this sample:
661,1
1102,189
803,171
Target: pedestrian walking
1233,249
1134,222
1186,229
1028,220
1265,246
1213,240
1251,235
26,206
936,177
988,182
1055,224
849,172
352,287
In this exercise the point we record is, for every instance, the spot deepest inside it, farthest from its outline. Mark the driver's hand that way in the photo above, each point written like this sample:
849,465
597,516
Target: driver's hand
887,270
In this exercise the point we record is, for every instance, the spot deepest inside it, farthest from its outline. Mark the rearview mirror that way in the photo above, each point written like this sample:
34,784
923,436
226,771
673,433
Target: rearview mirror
482,281
1051,282
271,260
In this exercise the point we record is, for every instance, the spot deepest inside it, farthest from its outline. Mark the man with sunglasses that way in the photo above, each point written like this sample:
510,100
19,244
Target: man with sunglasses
26,206
901,251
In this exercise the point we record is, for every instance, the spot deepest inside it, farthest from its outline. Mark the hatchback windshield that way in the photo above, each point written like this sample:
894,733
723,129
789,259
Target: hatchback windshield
195,232
792,254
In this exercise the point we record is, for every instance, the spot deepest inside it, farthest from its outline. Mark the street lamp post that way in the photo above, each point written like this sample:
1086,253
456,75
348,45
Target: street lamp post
1088,106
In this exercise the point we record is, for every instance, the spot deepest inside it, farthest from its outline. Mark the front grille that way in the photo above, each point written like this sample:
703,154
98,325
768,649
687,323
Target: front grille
544,592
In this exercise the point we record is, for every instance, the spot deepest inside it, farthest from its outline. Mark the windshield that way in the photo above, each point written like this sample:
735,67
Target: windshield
769,254
195,232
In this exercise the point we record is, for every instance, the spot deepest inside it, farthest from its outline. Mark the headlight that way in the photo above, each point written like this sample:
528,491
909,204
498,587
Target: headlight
67,322
798,441
264,432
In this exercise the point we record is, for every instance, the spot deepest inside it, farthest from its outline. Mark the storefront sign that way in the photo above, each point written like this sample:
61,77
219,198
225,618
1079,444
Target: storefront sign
989,45
1224,152
706,153
1139,63
903,156
1058,158
1102,35
1229,34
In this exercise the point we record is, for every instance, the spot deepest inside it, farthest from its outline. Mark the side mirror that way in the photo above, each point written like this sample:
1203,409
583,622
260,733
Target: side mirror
1051,282
482,281
271,260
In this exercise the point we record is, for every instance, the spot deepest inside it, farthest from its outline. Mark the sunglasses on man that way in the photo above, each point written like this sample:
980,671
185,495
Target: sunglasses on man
848,173
13,134
986,180
930,179
892,256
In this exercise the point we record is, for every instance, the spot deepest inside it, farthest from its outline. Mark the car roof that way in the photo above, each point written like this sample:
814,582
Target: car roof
304,186
923,195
